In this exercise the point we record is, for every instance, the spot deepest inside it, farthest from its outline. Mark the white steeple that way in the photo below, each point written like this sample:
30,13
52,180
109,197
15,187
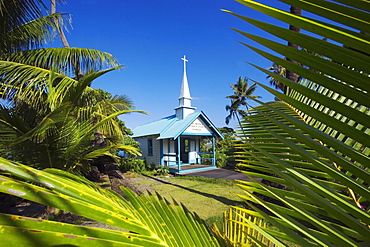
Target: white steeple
185,92
184,108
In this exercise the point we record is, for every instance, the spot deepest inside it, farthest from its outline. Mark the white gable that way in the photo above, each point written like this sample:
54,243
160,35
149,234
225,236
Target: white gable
198,127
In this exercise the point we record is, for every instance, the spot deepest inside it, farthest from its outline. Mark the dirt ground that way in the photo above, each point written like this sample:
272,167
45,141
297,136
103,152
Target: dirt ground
145,183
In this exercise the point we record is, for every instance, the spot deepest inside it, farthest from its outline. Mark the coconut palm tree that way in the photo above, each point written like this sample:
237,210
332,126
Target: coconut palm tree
280,70
48,106
242,92
290,74
234,111
315,141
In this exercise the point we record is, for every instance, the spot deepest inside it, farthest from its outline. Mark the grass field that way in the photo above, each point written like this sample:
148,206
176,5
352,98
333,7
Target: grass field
207,197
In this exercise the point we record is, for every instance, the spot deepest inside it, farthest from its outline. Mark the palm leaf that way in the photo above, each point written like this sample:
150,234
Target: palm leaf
15,14
151,220
31,35
64,60
27,81
315,143
344,36
339,13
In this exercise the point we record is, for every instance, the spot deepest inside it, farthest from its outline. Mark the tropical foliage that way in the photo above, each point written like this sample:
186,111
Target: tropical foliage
242,92
225,149
278,69
147,220
49,115
239,226
310,151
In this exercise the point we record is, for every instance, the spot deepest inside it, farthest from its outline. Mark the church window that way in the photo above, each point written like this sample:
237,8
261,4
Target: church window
150,147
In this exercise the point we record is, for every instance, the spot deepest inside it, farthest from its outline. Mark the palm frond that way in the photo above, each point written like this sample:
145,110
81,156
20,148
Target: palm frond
64,60
149,220
16,13
310,152
28,82
30,35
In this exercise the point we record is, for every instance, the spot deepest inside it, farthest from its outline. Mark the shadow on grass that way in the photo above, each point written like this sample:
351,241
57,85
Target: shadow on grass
222,199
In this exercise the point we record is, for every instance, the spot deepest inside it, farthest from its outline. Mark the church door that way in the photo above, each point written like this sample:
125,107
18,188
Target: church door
185,147
193,152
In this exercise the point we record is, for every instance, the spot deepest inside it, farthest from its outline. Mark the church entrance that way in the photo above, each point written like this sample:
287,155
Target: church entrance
185,148
188,151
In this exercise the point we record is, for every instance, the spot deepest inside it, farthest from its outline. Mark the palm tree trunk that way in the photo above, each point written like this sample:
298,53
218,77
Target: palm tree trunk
289,74
64,40
60,30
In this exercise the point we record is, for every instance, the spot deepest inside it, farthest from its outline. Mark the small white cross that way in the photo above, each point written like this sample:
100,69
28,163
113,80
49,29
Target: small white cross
184,58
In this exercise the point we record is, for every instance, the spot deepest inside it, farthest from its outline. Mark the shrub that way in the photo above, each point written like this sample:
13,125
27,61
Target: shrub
132,165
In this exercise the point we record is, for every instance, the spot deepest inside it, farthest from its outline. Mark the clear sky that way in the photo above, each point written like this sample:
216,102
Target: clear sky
150,36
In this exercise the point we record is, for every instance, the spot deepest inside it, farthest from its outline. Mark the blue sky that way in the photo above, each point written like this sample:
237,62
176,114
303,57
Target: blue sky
150,37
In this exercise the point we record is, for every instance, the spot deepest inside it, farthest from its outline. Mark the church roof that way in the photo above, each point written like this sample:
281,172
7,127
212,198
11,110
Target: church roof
172,127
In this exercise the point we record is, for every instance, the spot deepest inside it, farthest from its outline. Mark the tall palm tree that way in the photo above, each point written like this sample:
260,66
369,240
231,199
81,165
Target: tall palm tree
48,106
291,75
316,139
242,92
62,36
279,70
234,111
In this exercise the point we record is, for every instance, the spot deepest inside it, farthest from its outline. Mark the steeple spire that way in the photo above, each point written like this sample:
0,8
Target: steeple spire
184,107
185,92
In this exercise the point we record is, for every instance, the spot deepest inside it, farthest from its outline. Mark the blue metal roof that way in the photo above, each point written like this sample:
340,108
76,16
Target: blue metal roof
171,127
154,128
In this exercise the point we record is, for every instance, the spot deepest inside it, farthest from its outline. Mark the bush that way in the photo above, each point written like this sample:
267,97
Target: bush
132,165
163,170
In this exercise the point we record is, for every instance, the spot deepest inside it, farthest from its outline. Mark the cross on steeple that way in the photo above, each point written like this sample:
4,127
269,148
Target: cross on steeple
185,60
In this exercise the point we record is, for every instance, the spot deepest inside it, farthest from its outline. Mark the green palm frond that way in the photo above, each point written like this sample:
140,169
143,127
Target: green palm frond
90,128
30,35
45,126
147,220
16,13
121,102
29,82
67,138
275,147
64,60
242,228
308,155
11,123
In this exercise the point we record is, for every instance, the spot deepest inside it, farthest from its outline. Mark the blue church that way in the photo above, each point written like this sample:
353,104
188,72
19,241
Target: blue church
174,141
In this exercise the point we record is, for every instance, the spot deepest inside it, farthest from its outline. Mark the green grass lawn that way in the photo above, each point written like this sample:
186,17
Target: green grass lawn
209,198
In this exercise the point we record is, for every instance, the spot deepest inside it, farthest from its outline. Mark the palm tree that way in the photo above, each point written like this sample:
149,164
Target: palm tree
60,30
279,70
290,74
242,92
48,107
315,141
234,111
